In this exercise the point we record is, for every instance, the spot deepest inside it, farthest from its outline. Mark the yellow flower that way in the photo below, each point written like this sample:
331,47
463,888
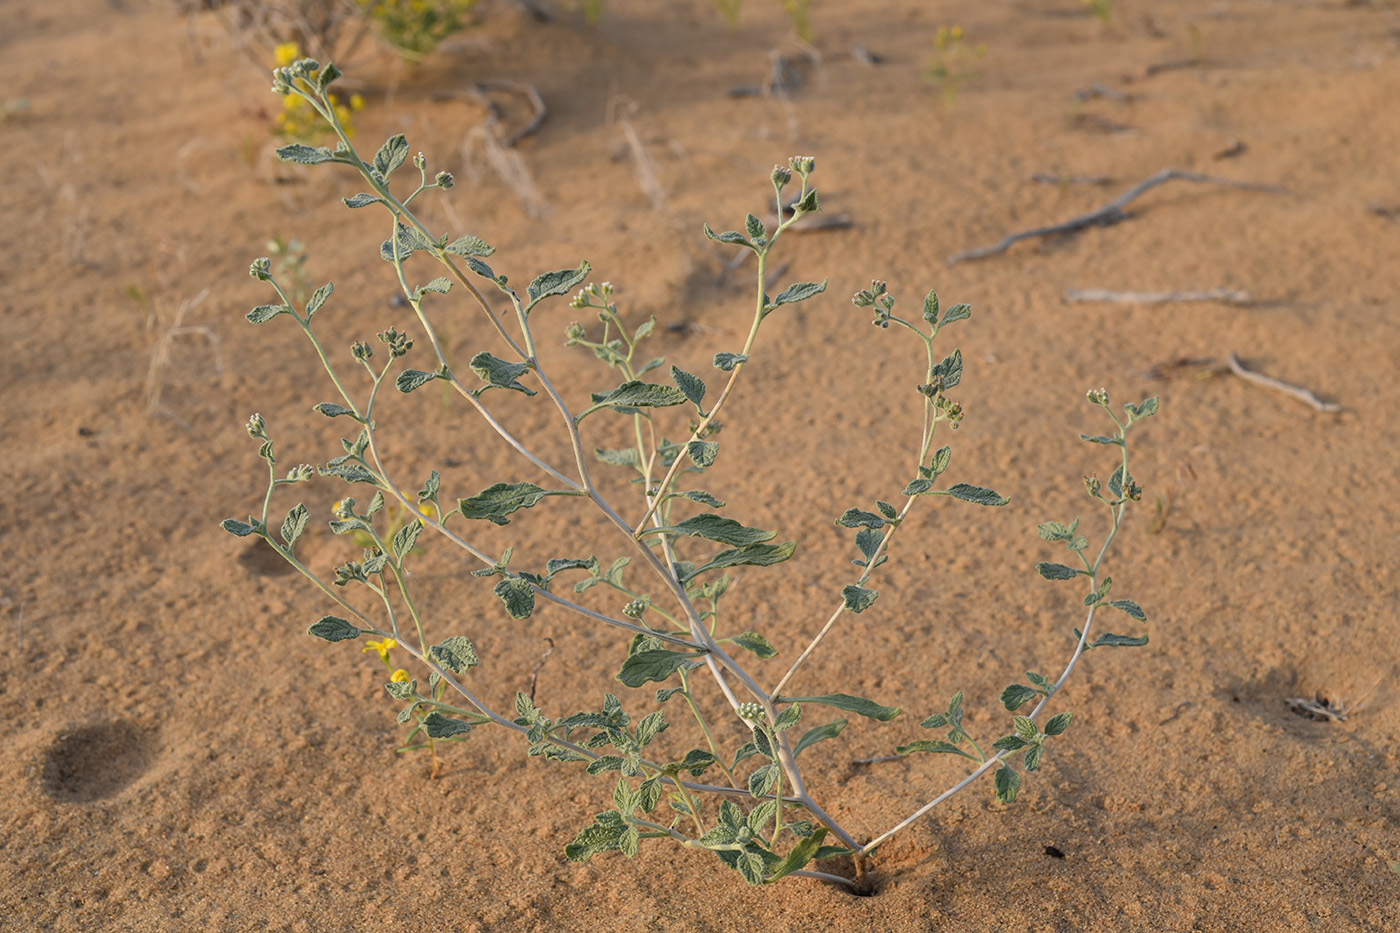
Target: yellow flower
286,53
357,102
426,508
381,647
400,676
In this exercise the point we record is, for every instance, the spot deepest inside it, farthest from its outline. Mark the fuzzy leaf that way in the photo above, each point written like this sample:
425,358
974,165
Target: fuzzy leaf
978,494
362,200
918,487
236,528
305,155
439,726
625,456
958,312
294,524
699,495
692,386
799,292
852,704
762,781
1058,723
438,286
717,528
498,500
818,734
318,299
456,653
858,598
727,361
755,555
1014,696
951,369
702,453
934,746
654,665
411,379
856,518
557,283
755,643
729,236
405,539
334,629
1130,607
391,155
1056,571
518,596
1109,640
643,395
470,246
500,373
264,313
1008,782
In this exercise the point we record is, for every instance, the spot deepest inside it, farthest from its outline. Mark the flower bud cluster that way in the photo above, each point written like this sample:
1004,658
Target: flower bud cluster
257,427
752,712
635,609
344,510
1098,396
444,180
301,474
361,351
398,343
803,165
261,269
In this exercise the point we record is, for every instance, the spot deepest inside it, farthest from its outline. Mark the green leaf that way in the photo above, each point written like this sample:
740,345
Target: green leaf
332,410
644,329
405,539
788,718
401,690
294,524
1130,607
625,456
318,299
852,704
755,555
653,665
439,726
499,373
858,598
438,286
702,453
1109,640
236,528
470,246
652,725
306,155
362,200
391,155
1033,756
1026,727
818,734
1101,439
717,528
762,781
1057,531
1008,782
483,270
518,596
635,393
1147,409
727,361
411,379
755,643
603,836
1056,571
692,386
931,307
729,236
456,653
958,312
941,458
935,746
1058,723
557,283
918,487
696,761
350,472
498,500
264,313
936,721
886,509
754,227
1098,595
978,494
665,693
1014,696
798,857
751,865
856,518
1010,743
698,495
799,292
950,368
334,629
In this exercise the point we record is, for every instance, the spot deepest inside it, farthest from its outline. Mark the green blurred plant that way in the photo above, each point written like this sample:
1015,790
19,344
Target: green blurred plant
1103,9
757,815
415,27
951,65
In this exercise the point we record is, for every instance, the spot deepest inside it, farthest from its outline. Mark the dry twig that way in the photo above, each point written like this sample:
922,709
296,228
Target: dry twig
1229,295
1269,382
1111,213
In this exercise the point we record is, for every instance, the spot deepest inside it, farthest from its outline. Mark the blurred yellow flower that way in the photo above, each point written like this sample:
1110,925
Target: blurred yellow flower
382,648
400,676
286,53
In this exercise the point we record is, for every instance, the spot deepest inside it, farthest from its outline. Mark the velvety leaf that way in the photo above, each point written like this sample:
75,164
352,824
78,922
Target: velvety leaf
935,746
264,313
699,495
405,539
411,379
702,453
858,598
857,518
557,283
853,704
958,312
305,155
755,643
391,155
653,665
1008,782
639,394
332,410
692,386
799,292
363,200
718,528
729,236
1058,723
334,629
727,361
799,856
439,726
518,596
1056,571
470,246
950,368
234,527
498,500
456,653
1130,607
499,372
295,523
318,298
756,555
978,494
818,734
1014,696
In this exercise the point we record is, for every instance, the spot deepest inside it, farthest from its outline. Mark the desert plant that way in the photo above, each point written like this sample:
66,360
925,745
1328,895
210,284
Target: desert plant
415,27
951,65
758,815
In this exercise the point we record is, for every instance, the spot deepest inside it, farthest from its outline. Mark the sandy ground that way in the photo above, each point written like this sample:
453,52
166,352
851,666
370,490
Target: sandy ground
180,756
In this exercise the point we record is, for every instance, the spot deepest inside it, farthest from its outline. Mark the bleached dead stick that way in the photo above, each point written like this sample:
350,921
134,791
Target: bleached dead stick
1230,295
1110,213
1268,382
